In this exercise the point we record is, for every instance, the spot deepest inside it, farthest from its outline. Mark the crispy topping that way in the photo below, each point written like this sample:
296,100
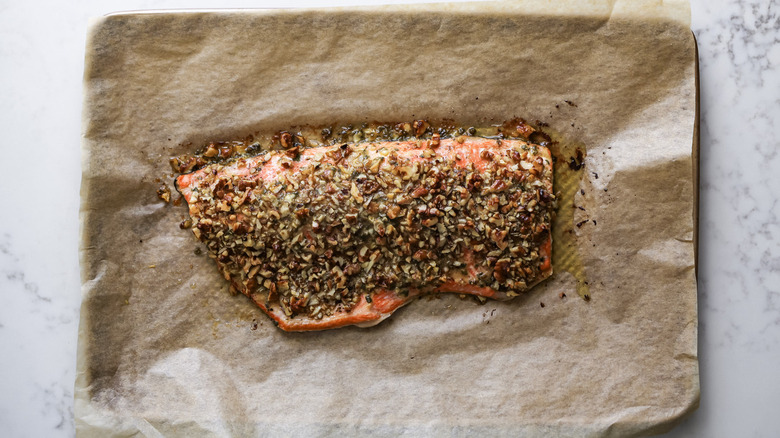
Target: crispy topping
315,234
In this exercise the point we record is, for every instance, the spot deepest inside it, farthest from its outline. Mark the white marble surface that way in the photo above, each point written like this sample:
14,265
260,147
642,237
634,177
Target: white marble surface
42,46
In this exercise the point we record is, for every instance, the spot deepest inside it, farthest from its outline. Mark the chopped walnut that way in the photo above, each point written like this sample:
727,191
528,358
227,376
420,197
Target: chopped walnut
164,193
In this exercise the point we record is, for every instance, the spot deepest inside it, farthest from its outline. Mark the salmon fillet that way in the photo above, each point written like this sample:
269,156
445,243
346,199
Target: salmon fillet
345,235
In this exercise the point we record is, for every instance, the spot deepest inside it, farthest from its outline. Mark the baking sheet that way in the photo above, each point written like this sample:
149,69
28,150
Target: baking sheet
164,349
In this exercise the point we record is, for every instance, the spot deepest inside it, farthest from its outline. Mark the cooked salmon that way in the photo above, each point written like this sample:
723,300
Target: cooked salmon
326,237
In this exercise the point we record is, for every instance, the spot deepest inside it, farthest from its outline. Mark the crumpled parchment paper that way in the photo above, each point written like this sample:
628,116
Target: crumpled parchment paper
165,350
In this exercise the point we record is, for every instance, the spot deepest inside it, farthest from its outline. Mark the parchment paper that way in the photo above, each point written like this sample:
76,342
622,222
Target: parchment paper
164,349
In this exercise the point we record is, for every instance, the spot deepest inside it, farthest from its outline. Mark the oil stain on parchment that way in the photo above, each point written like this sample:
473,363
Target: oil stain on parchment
568,174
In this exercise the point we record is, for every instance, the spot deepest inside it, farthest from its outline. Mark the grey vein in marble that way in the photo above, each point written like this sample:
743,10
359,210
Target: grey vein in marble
37,329
739,250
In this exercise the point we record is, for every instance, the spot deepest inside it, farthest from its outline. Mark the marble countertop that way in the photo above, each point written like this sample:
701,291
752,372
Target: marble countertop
42,51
